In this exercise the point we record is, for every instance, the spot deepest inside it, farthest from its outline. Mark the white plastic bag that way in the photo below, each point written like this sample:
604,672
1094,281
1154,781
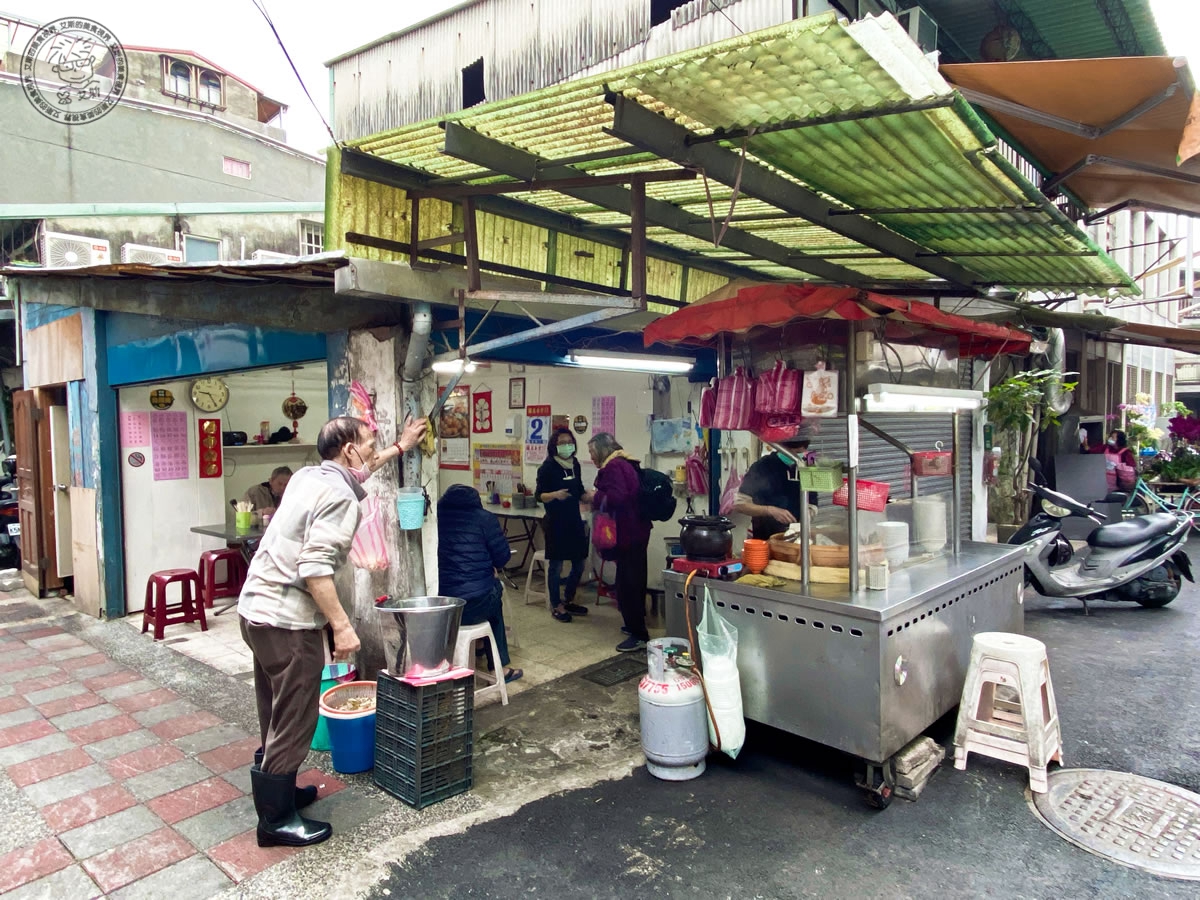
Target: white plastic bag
717,640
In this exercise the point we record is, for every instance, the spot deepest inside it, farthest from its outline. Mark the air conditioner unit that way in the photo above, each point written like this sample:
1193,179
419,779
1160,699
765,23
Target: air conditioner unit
152,256
66,251
272,256
920,27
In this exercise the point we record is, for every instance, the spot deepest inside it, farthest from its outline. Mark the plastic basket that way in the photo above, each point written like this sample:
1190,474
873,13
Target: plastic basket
424,739
931,462
823,479
872,495
334,700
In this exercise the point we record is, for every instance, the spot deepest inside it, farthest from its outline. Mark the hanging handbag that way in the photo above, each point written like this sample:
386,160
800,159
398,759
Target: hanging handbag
604,532
696,469
708,404
735,401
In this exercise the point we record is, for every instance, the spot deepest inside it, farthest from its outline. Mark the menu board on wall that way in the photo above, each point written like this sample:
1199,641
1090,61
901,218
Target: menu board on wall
135,429
169,439
604,415
496,467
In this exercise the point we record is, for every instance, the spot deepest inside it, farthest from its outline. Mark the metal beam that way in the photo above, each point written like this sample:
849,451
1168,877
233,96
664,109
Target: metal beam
606,300
1093,159
537,334
1118,22
644,128
372,168
933,210
458,190
464,144
833,119
1016,253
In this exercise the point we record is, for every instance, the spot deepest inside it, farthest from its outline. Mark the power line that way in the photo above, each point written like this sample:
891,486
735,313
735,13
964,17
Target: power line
262,9
713,4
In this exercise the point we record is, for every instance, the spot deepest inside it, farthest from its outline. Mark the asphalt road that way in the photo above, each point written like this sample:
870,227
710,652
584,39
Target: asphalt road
784,820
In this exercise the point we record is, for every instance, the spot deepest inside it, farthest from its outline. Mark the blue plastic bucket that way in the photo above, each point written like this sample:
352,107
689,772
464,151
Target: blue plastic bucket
331,676
352,741
410,508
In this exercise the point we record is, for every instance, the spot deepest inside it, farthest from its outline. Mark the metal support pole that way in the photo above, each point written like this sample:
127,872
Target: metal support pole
637,238
805,530
852,440
956,492
471,240
414,231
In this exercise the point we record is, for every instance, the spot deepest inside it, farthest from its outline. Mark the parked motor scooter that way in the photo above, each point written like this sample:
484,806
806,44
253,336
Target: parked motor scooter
10,521
1139,560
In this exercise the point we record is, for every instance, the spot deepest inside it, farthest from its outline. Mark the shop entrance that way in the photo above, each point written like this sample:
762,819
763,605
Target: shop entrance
42,438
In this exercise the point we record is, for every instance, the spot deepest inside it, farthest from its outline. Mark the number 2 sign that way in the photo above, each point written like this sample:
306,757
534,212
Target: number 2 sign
537,433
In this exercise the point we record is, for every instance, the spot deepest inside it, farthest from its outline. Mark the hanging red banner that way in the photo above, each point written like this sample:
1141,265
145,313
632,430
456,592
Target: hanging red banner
481,412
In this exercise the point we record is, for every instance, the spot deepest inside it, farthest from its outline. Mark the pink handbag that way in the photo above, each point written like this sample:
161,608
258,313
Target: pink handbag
778,390
604,531
735,401
696,469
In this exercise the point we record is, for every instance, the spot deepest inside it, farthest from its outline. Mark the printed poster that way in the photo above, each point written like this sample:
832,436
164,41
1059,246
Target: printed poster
496,468
819,396
604,415
481,412
454,430
169,439
537,434
135,429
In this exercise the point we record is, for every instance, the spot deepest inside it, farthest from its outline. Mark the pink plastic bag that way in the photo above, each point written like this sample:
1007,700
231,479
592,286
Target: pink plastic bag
696,468
361,406
735,401
729,495
778,390
368,550
764,389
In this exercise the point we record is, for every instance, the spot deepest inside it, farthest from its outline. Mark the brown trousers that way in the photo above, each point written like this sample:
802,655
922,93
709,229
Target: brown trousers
287,685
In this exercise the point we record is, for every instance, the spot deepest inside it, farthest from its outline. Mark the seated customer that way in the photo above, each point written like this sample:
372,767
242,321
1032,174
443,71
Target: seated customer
265,497
471,548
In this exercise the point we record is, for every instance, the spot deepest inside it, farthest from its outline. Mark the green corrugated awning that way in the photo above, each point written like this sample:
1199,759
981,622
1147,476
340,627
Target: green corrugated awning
852,159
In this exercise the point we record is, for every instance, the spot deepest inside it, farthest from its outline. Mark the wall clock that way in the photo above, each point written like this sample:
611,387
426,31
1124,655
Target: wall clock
210,393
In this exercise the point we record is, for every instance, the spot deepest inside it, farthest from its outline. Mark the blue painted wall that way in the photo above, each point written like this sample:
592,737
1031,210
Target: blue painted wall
137,351
35,315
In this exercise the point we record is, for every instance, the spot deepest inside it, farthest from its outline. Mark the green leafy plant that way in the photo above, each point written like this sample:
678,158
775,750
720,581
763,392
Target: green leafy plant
1018,411
1139,423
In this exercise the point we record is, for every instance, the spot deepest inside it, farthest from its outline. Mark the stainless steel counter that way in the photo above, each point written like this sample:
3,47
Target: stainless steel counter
864,672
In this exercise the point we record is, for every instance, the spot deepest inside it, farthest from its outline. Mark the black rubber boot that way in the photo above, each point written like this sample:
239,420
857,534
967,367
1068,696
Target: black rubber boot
278,822
305,796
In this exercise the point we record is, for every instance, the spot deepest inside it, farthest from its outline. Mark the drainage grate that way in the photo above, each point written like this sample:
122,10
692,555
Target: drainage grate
1129,819
615,670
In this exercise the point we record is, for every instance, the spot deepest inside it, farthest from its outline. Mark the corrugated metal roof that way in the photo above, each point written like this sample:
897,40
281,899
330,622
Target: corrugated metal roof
312,270
811,68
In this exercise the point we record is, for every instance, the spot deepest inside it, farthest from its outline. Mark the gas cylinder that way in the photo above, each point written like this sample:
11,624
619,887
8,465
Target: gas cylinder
671,703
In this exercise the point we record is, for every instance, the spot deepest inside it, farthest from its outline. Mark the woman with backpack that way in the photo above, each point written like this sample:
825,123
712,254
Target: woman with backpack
617,494
560,487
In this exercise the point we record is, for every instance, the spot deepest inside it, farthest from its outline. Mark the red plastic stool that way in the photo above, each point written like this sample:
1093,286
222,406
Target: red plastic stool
235,574
187,610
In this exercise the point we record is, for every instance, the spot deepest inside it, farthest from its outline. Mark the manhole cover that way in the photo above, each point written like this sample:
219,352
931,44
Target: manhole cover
1132,820
615,670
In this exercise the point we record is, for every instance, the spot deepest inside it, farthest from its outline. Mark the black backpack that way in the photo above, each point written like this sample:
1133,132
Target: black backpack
656,494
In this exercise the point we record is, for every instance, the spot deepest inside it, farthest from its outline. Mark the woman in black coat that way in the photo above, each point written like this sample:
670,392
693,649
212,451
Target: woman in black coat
559,487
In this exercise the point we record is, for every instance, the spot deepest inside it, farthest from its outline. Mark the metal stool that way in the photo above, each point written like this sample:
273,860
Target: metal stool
1021,729
464,658
231,585
157,610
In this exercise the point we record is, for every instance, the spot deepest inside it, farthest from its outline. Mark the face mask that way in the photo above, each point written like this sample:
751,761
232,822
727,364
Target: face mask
1113,444
565,451
784,458
363,472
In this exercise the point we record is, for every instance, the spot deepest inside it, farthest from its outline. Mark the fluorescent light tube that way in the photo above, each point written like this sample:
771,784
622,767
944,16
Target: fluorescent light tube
915,398
596,359
453,366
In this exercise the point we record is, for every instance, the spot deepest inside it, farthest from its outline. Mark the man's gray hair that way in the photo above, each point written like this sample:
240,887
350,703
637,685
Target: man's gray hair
606,445
279,472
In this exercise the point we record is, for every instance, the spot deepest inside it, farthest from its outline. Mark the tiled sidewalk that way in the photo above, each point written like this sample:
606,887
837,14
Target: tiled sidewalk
140,793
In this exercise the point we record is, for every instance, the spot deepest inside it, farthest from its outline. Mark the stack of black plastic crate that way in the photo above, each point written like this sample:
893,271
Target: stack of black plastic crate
424,738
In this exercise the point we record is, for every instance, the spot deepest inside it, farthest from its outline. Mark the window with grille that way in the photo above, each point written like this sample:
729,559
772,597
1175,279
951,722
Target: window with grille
1160,388
1145,386
1170,389
238,168
312,238
1130,383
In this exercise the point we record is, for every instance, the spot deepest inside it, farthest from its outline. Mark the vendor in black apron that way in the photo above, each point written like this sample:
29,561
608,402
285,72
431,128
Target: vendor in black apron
770,494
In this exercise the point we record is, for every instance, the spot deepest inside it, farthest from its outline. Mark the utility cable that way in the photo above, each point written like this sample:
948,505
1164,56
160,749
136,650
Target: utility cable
262,9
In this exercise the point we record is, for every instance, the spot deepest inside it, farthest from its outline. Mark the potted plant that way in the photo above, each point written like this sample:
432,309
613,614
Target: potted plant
1140,432
1018,411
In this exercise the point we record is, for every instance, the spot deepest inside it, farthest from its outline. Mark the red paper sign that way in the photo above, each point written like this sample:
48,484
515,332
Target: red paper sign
208,448
481,412
537,410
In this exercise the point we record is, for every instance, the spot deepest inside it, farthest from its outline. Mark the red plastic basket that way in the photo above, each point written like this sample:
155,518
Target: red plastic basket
931,462
872,495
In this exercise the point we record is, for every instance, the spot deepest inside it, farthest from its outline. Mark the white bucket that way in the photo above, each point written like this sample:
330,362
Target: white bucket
929,515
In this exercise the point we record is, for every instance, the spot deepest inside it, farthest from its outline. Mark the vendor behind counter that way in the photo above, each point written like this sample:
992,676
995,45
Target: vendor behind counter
770,494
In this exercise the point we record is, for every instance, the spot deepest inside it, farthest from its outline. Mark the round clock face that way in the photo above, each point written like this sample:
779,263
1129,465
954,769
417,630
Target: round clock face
210,394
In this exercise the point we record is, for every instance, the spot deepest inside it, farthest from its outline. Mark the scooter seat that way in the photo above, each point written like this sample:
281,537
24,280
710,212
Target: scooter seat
1133,531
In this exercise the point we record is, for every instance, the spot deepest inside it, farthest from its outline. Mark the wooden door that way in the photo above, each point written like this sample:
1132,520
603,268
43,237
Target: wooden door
60,484
25,425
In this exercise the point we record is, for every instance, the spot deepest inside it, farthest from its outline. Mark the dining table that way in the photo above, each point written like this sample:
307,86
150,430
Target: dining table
233,537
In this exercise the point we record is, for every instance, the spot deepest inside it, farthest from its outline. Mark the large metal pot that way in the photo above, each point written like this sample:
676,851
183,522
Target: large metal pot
706,538
428,632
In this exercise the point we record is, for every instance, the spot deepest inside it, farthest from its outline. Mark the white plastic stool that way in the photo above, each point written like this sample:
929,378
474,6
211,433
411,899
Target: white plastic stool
539,559
464,657
1024,731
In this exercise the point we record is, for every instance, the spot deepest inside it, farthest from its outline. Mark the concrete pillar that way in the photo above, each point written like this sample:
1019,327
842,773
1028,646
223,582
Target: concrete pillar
373,358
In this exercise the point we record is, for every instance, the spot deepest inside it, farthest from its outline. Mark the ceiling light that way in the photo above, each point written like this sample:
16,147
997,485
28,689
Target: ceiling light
600,359
915,398
453,366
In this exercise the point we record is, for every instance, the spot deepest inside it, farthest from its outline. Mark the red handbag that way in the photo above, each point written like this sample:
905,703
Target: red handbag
604,531
735,401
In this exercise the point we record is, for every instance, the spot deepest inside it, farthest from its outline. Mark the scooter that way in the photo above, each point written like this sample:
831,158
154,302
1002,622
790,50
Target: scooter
10,521
1137,560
